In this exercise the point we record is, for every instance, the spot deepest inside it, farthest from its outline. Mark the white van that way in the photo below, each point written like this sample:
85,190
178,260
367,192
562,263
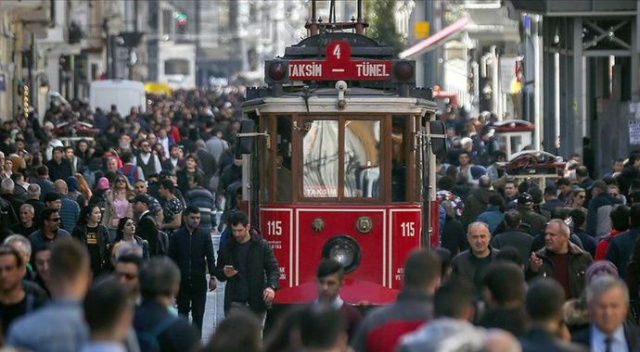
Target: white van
123,93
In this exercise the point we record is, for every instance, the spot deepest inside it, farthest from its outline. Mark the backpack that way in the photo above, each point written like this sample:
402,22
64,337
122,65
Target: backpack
162,247
7,215
148,340
132,174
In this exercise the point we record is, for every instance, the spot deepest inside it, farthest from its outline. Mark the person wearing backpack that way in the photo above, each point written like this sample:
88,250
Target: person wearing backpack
133,172
157,329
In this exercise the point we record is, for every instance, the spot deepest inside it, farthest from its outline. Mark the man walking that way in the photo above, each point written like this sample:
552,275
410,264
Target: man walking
330,279
561,260
108,311
250,268
15,301
59,326
154,324
192,249
471,263
608,302
50,230
147,227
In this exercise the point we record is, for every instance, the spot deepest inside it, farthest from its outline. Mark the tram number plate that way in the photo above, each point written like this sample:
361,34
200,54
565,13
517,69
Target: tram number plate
339,66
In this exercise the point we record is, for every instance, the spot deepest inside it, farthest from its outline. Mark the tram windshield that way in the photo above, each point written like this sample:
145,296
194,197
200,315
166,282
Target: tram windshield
322,156
354,158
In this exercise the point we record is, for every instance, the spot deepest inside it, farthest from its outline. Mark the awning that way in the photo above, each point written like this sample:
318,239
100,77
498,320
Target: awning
433,41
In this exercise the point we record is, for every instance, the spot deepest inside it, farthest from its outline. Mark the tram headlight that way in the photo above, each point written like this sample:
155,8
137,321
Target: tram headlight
276,70
404,70
344,250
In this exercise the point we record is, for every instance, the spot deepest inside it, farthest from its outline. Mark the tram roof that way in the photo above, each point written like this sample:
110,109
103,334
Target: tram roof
358,100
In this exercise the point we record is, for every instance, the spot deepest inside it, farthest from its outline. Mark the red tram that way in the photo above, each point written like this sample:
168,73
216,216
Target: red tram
337,153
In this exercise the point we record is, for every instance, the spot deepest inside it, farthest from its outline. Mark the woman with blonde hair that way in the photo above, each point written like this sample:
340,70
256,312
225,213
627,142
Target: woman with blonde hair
577,199
117,204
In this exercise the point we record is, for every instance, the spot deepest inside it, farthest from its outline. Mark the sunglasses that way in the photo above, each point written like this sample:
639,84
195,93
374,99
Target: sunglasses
121,181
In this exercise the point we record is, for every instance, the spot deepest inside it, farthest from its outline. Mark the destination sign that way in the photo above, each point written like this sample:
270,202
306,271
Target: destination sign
339,66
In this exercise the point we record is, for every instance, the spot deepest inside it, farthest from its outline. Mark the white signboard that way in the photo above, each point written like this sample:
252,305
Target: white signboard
634,132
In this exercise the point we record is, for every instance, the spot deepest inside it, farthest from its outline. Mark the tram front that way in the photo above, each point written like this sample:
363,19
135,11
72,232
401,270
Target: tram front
338,165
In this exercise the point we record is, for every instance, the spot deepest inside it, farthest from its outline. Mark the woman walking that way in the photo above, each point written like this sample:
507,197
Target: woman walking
94,236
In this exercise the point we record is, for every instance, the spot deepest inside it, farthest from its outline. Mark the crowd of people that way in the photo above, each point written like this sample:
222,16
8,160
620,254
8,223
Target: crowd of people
107,220
129,202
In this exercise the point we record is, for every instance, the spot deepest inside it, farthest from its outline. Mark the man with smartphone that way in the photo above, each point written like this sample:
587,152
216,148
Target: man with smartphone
244,262
192,249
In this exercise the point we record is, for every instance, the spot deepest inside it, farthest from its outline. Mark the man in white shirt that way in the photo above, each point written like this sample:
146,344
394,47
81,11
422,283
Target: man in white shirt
608,302
146,160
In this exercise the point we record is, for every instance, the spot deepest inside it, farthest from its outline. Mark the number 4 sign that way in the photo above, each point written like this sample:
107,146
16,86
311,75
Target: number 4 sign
338,51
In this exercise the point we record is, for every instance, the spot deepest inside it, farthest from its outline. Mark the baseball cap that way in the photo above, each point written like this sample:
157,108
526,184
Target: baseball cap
142,198
525,198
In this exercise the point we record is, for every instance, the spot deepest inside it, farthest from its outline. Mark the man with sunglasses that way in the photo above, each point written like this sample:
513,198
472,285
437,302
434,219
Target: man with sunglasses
50,230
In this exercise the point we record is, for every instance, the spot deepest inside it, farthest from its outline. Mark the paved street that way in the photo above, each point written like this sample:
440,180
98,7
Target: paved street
214,310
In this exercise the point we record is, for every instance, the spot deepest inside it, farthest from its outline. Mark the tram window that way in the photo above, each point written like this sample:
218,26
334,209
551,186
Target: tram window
398,159
320,158
263,158
362,158
283,159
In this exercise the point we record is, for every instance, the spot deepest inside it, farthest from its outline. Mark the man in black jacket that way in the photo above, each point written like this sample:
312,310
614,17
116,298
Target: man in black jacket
147,227
192,249
543,302
512,236
248,265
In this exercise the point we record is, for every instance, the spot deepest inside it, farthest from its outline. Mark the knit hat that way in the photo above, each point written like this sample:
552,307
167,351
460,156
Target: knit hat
599,268
103,183
72,183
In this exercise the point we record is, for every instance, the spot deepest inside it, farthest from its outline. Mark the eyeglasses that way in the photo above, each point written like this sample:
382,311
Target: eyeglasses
55,219
121,180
